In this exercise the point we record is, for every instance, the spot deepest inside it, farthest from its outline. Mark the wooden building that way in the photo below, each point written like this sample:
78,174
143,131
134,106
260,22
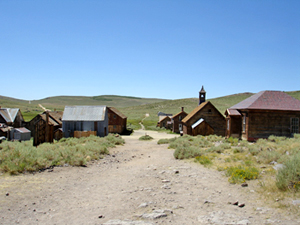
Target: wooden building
263,114
85,119
116,121
164,122
20,134
11,117
55,120
177,125
205,119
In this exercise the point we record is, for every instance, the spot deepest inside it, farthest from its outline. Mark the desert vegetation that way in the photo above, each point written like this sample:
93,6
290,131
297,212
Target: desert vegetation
274,162
16,157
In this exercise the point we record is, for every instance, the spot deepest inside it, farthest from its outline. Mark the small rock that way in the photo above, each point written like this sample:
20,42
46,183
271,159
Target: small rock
165,187
7,194
244,185
241,205
165,181
235,203
143,205
101,216
176,171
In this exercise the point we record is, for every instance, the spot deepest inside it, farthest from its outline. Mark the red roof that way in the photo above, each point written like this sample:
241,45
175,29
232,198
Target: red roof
269,100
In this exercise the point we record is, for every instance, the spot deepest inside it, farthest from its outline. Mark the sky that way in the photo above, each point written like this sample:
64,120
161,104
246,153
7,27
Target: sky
154,49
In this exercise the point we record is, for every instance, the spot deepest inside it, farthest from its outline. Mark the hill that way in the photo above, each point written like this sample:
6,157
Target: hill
134,108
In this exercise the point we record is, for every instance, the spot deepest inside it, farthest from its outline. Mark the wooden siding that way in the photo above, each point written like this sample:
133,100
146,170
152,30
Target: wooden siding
262,124
211,116
203,129
116,123
177,121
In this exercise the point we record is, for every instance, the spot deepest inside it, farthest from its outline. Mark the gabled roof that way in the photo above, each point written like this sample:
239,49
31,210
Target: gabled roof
84,113
191,114
164,118
22,130
117,112
9,114
51,121
181,112
56,115
269,100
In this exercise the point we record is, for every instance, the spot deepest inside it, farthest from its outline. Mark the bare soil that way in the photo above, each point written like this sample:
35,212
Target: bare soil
138,183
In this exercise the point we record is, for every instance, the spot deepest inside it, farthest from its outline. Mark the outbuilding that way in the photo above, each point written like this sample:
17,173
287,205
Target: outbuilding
20,134
116,121
80,121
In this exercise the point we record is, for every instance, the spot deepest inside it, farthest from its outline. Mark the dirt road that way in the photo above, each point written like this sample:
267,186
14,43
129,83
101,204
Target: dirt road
138,183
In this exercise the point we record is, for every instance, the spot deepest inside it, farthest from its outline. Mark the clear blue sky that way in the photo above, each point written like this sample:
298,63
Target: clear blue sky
156,49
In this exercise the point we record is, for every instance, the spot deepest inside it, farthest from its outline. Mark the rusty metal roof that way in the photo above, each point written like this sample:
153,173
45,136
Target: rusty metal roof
84,113
269,100
9,114
233,112
23,130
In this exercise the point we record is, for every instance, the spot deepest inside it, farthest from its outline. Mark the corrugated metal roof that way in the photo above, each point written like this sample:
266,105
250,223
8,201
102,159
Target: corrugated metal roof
9,114
23,130
197,123
84,113
269,100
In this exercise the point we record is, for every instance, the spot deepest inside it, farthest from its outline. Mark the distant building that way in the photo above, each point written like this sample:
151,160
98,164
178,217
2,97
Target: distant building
177,125
116,121
263,114
205,119
20,134
11,117
85,120
164,122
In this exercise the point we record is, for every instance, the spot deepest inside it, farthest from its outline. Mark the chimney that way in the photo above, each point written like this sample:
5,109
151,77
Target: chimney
182,108
202,94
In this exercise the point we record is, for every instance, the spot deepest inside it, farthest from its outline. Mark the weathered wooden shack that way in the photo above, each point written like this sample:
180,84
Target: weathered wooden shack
55,120
20,134
206,111
177,125
11,117
116,121
263,114
164,122
85,119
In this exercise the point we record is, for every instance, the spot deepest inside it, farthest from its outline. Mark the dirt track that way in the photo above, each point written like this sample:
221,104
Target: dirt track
138,183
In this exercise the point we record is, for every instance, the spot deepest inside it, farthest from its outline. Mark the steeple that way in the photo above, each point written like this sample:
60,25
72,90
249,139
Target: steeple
202,94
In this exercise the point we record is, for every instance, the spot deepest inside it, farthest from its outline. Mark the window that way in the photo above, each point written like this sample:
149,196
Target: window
209,111
179,118
244,123
294,125
115,117
180,127
228,124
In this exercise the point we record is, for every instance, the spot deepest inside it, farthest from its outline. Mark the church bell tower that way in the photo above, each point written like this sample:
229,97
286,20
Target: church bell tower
202,95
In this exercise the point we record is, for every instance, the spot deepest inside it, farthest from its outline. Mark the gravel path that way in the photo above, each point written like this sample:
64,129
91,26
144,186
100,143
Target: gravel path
138,183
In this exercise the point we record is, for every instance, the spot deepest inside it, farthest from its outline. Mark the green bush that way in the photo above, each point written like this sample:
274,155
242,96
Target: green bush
204,160
166,140
145,138
16,157
288,177
239,174
187,152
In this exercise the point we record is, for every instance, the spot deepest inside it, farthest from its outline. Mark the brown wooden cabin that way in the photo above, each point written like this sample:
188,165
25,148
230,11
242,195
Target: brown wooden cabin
263,114
55,119
11,117
212,117
165,122
116,121
177,124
